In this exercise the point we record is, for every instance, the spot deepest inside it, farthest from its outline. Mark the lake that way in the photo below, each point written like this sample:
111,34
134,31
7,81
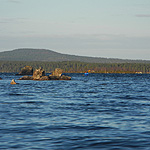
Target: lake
98,111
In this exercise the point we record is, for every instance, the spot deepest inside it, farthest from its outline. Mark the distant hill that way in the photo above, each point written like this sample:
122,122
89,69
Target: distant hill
45,55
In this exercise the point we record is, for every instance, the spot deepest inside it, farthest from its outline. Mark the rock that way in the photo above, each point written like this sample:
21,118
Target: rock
38,73
57,75
65,78
44,78
54,77
26,78
27,70
13,82
59,78
58,72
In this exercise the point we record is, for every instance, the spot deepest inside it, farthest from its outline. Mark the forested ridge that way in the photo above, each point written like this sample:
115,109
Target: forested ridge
76,67
28,54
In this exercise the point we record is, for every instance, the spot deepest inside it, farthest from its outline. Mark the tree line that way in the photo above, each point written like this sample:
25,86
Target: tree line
76,67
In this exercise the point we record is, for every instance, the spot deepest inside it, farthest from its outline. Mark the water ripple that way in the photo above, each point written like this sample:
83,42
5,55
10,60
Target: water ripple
100,111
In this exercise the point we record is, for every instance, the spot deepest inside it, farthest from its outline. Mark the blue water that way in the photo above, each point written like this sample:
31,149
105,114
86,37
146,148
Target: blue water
99,111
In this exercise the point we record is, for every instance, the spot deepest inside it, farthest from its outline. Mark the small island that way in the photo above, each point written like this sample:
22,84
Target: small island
39,74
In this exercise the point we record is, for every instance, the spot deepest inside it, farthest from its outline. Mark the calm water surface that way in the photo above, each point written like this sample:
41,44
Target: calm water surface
100,111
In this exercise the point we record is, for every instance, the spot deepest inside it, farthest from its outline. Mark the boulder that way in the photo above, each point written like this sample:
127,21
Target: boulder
44,78
57,75
26,78
38,73
59,78
27,70
65,78
13,82
57,72
54,77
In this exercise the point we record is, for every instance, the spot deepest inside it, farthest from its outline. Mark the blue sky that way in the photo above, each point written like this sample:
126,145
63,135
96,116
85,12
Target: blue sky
99,28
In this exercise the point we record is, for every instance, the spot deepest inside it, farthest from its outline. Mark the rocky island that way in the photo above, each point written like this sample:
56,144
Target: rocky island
39,74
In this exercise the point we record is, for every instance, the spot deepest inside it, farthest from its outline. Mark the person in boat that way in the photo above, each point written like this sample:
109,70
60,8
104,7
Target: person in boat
86,74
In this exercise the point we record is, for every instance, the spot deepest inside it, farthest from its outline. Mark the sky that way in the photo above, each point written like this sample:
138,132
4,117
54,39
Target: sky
96,28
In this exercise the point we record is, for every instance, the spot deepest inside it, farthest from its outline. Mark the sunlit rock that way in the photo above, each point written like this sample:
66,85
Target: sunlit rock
57,72
38,73
13,82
